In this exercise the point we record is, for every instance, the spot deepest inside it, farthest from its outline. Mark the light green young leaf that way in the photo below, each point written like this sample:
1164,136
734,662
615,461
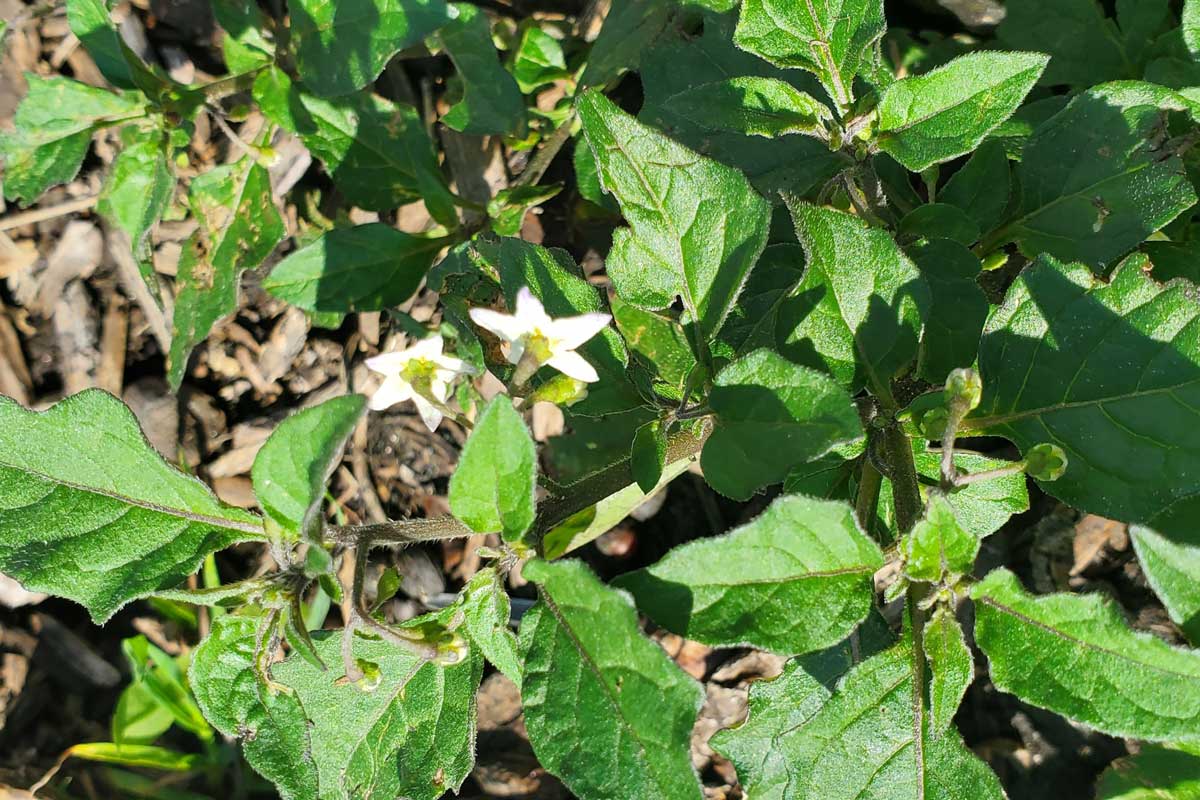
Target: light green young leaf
1111,374
935,117
239,227
700,218
365,268
1191,27
1126,683
342,46
795,580
834,40
647,457
766,107
629,28
88,510
1117,187
492,489
137,755
491,100
291,469
486,611
982,187
139,718
772,415
938,546
244,46
959,311
868,737
859,309
91,23
538,60
137,191
592,677
1155,773
1173,569
508,208
953,668
54,126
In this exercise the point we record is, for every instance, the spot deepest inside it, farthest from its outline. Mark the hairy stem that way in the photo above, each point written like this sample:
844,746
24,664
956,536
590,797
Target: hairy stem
541,161
869,483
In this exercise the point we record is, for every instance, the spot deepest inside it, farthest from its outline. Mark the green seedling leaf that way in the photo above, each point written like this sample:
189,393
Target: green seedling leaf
365,268
982,188
1134,684
162,678
647,457
859,309
1155,773
938,548
1116,391
953,668
1173,569
591,676
139,717
771,416
959,311
293,466
491,100
492,489
486,612
80,485
931,118
702,219
342,46
239,227
244,45
137,755
54,126
538,60
766,107
833,40
795,580
137,192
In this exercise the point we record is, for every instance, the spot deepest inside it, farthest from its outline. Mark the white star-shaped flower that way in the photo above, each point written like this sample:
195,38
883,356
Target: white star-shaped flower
530,332
423,374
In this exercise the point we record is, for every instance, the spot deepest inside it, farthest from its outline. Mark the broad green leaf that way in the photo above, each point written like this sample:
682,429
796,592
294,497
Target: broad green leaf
491,100
982,187
538,60
951,665
607,711
830,477
938,221
486,611
795,580
239,227
859,309
139,718
658,339
137,192
754,318
1111,374
867,737
54,125
835,40
1155,773
377,152
1014,134
766,107
1074,655
137,755
492,489
244,46
1094,179
648,454
938,546
88,510
702,219
1171,260
1173,570
1084,46
90,22
1191,27
935,117
631,25
291,469
771,415
365,268
959,310
342,46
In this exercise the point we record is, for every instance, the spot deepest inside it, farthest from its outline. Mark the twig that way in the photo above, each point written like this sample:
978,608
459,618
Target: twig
35,215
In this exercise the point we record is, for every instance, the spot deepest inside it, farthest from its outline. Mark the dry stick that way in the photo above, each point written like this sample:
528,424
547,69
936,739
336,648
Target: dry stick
35,215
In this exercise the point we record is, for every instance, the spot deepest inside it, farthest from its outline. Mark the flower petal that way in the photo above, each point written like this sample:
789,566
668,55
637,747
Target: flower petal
505,326
573,365
454,365
516,349
388,363
571,332
530,310
393,390
429,415
430,347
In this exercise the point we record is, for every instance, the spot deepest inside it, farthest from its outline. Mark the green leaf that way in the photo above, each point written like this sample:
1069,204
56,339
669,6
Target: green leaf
953,668
859,310
89,20
658,339
492,488
982,187
1171,260
646,459
486,611
139,717
244,46
1129,684
868,736
1155,773
959,311
1173,570
137,191
88,510
938,221
491,100
772,415
1086,48
592,677
508,208
291,469
631,25
935,117
54,125
1115,188
795,580
766,107
377,152
365,268
1111,374
538,60
754,318
1191,27
938,546
342,46
239,227
702,219
834,40
137,755
1014,134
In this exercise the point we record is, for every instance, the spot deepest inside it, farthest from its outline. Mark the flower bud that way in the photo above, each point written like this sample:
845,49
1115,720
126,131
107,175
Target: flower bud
1045,462
964,388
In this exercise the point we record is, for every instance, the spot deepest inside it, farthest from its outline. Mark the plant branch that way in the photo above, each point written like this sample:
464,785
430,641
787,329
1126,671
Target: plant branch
538,165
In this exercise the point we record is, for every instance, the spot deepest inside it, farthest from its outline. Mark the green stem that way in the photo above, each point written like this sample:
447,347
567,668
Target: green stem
869,484
541,161
906,489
